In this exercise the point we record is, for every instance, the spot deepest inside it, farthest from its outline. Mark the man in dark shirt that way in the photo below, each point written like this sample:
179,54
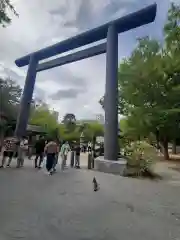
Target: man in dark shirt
77,155
39,146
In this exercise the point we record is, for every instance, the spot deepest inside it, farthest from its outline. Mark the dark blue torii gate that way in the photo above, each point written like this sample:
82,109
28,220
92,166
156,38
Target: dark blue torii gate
110,31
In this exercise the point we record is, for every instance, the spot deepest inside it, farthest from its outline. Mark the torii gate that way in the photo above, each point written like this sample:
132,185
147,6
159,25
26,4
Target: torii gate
110,31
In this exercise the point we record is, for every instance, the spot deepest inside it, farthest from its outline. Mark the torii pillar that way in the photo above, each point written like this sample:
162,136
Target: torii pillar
111,96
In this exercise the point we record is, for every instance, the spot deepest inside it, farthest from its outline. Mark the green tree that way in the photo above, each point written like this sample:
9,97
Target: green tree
172,44
149,93
10,94
42,116
172,29
96,128
92,130
70,122
6,5
67,135
69,118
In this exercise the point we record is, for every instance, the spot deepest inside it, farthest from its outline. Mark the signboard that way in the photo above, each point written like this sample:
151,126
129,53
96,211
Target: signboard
34,128
100,139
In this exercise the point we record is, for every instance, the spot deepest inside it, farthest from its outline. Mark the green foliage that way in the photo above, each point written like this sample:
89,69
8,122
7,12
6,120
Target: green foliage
172,29
90,130
93,129
10,98
43,117
69,118
149,92
129,130
67,130
73,136
6,5
67,135
141,157
70,122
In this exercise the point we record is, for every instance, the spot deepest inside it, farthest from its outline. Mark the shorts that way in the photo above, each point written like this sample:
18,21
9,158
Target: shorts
8,154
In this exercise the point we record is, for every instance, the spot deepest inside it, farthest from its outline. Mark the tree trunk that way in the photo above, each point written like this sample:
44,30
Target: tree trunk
174,147
157,140
165,149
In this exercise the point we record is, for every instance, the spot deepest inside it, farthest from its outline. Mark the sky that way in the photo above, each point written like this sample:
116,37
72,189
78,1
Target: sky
76,87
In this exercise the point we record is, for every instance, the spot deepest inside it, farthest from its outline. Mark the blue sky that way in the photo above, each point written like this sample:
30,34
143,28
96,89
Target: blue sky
77,87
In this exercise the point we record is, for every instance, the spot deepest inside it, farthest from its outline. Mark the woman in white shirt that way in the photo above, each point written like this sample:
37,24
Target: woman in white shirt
22,149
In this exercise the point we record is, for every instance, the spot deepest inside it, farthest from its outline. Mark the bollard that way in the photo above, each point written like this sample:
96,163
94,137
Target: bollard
72,159
92,159
89,160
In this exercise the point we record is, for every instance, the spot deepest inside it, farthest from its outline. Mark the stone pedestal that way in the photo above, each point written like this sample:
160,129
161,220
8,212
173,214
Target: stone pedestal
109,166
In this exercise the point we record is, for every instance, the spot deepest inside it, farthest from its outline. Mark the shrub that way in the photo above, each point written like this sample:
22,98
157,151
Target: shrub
141,158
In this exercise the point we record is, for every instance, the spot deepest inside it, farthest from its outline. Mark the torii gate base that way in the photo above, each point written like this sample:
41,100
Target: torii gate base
109,30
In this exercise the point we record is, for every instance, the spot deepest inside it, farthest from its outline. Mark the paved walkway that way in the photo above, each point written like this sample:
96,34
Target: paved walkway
36,206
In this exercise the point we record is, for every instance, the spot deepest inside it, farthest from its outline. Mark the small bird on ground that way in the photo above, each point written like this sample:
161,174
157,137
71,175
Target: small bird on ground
95,185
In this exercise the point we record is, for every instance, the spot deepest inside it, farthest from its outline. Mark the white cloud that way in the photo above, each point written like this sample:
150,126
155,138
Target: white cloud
42,23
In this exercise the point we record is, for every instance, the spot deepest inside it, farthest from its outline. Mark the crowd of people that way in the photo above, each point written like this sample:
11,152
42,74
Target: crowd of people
51,149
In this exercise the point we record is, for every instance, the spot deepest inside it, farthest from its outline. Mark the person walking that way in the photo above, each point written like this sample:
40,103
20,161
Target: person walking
89,146
51,150
8,150
56,157
39,146
84,148
65,148
22,150
30,147
77,155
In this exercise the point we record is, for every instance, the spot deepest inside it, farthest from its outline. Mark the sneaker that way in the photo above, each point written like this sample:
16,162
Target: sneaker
1,166
8,166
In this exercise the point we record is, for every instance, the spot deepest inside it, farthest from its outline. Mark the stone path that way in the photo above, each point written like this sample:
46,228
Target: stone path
36,206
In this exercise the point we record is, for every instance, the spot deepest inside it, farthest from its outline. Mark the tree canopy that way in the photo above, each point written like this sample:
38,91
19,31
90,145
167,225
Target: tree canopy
69,118
6,5
10,97
42,116
92,130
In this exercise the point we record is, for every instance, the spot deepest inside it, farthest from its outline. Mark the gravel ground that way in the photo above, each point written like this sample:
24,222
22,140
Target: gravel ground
36,206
